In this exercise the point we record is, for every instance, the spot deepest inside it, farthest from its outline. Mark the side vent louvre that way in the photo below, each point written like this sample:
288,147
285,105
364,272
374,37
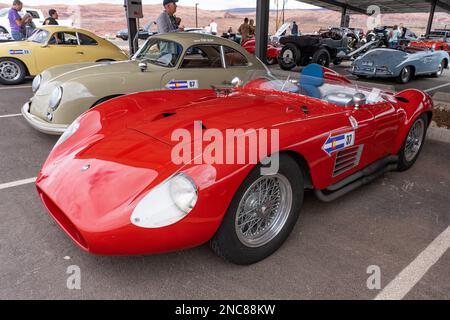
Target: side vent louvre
347,159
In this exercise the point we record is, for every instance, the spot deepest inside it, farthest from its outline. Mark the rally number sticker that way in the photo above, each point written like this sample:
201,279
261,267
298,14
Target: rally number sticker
339,142
182,84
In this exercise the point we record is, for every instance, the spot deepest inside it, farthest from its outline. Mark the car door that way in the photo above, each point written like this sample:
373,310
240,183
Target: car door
424,61
62,48
201,67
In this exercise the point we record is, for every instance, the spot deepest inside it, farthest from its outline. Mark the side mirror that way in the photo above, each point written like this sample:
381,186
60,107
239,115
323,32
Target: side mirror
359,100
143,66
236,82
433,47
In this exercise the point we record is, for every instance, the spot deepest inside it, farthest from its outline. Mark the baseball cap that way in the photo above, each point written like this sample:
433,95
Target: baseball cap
166,2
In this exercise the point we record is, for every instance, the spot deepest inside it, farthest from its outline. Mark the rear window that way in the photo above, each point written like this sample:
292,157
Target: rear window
234,58
86,40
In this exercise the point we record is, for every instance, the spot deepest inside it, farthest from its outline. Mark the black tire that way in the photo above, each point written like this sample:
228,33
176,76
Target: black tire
405,162
441,70
322,57
8,68
104,100
337,62
405,75
3,30
295,55
227,244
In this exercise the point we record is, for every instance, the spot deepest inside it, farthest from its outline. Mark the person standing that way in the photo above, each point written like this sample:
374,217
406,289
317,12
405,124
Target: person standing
244,30
252,28
214,27
52,18
294,29
16,22
394,36
166,21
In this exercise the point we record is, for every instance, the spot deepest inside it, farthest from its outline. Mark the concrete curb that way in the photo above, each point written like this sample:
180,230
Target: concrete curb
438,134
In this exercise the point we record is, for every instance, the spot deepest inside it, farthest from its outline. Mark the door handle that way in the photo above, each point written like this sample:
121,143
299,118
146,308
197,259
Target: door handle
80,52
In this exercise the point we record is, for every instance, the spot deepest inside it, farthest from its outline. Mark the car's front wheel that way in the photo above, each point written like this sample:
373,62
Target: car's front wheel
12,71
261,215
289,57
413,144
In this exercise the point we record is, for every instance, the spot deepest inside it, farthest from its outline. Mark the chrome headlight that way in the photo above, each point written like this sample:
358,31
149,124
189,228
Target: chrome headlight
69,132
55,98
36,83
166,204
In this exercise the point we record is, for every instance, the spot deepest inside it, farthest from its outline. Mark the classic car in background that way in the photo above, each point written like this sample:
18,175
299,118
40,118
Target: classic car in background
52,46
144,32
272,51
438,39
329,45
401,64
133,198
169,61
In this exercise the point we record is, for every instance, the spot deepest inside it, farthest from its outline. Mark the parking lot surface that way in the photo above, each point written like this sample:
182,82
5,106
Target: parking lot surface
387,224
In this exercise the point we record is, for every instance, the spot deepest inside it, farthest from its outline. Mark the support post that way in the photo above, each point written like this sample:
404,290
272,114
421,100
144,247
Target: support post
343,15
262,28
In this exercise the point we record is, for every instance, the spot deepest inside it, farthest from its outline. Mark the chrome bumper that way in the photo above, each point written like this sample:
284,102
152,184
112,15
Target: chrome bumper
41,125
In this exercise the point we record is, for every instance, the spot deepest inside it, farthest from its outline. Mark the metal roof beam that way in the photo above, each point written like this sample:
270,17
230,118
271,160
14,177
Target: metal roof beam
342,5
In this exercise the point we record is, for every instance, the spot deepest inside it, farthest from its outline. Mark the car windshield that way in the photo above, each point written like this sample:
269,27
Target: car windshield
314,83
39,36
160,52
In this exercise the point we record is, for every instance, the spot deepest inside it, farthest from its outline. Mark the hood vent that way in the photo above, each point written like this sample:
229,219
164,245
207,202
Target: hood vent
347,159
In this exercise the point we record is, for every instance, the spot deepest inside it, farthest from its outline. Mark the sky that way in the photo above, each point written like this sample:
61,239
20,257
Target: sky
203,4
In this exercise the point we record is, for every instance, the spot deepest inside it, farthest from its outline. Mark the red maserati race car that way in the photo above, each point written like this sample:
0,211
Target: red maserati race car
134,175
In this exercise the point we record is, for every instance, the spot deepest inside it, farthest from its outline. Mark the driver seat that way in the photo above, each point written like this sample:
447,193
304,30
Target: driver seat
311,78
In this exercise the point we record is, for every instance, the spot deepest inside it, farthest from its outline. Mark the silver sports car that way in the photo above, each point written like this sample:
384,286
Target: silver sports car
401,64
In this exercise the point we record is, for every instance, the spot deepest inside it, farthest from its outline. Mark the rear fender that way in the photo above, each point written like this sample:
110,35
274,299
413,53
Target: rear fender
412,104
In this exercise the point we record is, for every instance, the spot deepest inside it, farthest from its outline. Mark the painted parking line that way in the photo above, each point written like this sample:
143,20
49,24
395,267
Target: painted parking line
20,87
17,183
437,87
11,115
403,283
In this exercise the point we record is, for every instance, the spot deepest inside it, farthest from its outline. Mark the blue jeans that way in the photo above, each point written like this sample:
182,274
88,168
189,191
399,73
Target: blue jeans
17,36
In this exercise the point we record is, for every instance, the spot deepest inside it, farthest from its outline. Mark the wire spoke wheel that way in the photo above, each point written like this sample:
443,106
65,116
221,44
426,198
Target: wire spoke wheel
414,140
263,210
9,70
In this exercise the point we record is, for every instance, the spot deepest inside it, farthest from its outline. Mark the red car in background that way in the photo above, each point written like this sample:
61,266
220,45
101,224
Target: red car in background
439,39
112,184
272,51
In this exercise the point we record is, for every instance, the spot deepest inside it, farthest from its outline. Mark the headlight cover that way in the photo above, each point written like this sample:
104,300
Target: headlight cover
167,203
69,132
36,83
55,98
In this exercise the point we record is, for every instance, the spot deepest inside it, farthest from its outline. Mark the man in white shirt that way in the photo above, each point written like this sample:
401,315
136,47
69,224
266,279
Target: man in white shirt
213,26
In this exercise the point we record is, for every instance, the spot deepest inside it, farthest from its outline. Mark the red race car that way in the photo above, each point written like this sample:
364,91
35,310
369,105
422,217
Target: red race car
272,51
134,175
438,39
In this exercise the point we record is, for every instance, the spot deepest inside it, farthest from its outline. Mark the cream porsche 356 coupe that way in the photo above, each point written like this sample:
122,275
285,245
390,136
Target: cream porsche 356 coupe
173,61
51,46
